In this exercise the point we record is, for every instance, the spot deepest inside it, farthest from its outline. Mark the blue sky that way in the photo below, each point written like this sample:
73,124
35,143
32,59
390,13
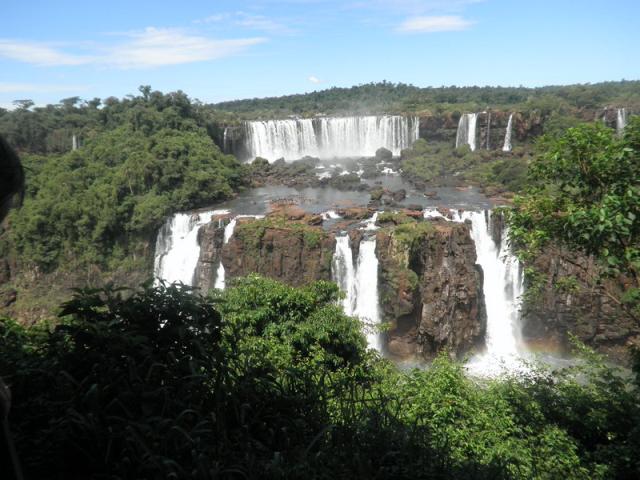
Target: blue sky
223,50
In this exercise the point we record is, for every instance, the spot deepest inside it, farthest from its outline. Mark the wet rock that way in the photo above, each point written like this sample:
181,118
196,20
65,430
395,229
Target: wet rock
431,290
399,195
383,155
568,303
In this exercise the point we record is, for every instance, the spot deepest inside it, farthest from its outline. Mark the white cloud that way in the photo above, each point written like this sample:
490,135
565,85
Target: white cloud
248,21
213,18
152,47
443,23
262,23
156,47
39,54
39,88
314,79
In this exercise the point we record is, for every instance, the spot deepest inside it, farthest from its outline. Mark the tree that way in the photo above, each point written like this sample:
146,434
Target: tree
584,194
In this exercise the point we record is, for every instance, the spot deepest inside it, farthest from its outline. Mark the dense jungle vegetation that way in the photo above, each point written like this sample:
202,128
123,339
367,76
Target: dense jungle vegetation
388,97
269,381
141,159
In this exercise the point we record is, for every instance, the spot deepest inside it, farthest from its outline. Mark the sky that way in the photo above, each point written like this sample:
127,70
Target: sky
223,50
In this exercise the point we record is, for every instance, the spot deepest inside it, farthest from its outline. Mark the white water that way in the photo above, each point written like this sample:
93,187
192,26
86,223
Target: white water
360,282
507,136
343,272
330,137
621,120
366,291
177,248
502,288
220,282
466,134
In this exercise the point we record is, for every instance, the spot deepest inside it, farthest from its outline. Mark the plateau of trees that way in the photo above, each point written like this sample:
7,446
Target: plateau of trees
141,159
269,381
388,97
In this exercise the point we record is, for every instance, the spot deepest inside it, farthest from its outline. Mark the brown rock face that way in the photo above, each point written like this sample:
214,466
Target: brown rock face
210,239
568,302
296,255
431,291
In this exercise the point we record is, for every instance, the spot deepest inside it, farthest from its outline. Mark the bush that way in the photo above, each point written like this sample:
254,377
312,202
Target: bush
269,381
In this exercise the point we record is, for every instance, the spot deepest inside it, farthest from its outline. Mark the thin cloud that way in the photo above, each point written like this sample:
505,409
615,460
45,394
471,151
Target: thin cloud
262,23
443,23
157,47
314,79
213,18
40,54
248,21
152,47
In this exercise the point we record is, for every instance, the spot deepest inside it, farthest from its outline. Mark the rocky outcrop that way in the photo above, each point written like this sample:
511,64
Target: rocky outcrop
210,239
294,252
430,289
564,299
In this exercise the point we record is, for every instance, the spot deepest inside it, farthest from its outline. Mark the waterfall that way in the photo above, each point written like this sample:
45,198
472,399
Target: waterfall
330,137
507,136
366,291
621,120
466,134
177,249
343,272
220,273
74,142
359,283
502,288
225,135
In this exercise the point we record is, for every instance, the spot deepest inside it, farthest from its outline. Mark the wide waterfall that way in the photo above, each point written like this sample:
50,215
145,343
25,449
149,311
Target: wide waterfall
360,284
621,120
330,137
502,288
177,248
507,136
466,134
220,273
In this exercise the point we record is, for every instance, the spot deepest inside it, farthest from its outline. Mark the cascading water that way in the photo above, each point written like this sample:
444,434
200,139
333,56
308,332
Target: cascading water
621,120
343,272
366,291
502,288
177,248
360,283
466,134
330,137
220,273
507,136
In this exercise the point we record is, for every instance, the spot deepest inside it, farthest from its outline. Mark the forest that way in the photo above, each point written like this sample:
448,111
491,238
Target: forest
264,380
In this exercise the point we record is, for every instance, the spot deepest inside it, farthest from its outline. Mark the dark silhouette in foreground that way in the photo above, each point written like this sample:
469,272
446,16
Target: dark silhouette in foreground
11,185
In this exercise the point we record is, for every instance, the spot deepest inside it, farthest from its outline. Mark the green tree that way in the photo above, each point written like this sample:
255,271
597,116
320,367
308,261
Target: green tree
584,193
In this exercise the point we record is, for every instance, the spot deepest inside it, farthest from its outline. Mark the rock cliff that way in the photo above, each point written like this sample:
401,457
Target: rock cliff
430,289
564,299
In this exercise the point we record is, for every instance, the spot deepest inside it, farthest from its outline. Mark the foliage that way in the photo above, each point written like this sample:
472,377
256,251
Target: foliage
252,232
144,163
584,193
269,381
389,97
435,163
